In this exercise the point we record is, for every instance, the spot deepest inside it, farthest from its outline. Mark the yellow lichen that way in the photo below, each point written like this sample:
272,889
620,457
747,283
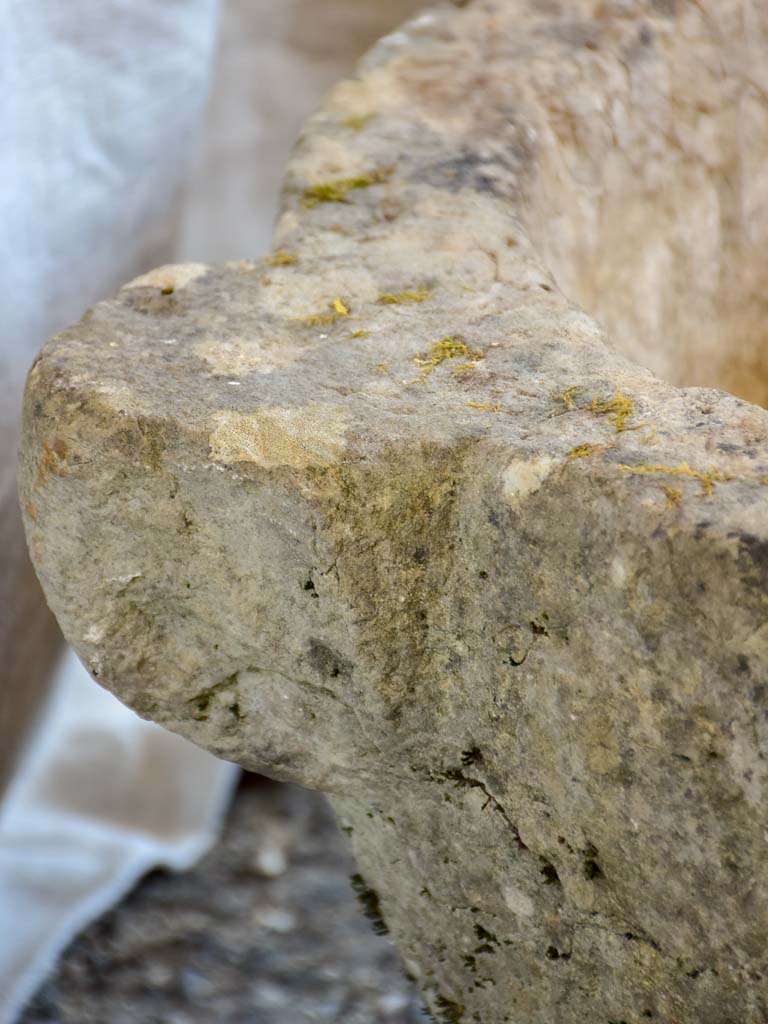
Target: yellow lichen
568,397
448,348
382,367
463,369
707,478
280,259
396,298
356,122
583,451
361,332
620,409
53,461
674,496
338,190
485,406
337,311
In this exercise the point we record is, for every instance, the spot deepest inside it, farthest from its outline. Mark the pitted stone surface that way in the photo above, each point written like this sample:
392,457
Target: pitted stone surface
388,515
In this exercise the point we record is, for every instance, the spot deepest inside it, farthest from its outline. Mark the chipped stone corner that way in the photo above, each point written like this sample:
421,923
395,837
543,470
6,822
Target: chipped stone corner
170,276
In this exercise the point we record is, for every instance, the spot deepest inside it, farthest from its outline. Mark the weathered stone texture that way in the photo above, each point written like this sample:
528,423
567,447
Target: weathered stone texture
387,515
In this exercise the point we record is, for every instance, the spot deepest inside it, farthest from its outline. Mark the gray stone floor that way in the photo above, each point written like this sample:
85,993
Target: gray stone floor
265,930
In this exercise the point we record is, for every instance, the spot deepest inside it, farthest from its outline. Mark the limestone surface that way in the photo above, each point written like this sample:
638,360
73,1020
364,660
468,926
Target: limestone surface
390,515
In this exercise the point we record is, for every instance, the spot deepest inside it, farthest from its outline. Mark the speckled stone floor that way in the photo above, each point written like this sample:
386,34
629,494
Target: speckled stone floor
265,930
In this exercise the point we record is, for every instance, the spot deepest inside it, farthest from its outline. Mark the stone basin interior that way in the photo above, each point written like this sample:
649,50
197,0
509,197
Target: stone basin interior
657,170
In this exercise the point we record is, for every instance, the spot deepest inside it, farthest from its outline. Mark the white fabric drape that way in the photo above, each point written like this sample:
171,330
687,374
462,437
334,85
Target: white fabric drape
100,798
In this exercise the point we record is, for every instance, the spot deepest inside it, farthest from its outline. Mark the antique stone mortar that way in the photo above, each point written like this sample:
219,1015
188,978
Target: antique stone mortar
389,515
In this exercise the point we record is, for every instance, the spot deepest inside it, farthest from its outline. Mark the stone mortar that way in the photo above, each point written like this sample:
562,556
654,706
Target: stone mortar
389,515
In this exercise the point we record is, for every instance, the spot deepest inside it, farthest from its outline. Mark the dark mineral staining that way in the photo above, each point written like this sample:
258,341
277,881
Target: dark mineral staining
553,953
592,870
369,901
201,707
549,871
448,1011
326,661
484,935
420,555
484,172
754,552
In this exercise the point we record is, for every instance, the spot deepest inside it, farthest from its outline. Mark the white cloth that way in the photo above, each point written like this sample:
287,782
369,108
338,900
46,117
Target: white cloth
100,105
100,798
